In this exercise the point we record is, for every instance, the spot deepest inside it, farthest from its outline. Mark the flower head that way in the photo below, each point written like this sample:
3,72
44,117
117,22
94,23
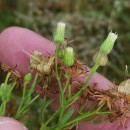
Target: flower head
69,56
60,32
107,45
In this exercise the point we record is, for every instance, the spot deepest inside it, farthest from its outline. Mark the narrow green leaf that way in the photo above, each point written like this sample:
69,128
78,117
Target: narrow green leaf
104,113
47,104
67,116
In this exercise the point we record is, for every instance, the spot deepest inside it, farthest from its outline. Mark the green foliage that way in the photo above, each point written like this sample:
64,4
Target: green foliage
89,22
27,96
64,114
5,93
91,19
67,116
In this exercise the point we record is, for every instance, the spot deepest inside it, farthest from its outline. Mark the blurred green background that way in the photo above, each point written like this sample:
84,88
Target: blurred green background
88,23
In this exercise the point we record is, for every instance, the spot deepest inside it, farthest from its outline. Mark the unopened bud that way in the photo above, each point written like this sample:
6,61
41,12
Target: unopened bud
107,45
69,56
60,32
103,60
28,77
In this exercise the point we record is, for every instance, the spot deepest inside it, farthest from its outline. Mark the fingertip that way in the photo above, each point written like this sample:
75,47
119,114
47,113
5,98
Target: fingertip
7,123
14,40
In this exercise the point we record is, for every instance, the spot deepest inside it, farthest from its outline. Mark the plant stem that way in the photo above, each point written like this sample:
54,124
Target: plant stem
85,85
5,95
51,118
43,127
60,85
26,98
69,91
67,83
56,67
79,118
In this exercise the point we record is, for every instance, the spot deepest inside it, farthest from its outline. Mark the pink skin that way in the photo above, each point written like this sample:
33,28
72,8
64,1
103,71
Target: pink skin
14,41
7,123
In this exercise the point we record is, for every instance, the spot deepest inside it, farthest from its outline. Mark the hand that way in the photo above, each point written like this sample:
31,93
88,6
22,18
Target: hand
7,123
15,40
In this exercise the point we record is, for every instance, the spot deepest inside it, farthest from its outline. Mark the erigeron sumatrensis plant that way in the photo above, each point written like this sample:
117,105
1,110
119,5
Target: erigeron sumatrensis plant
56,75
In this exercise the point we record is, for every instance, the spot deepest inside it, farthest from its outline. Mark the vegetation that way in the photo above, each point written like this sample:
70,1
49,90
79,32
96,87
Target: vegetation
93,21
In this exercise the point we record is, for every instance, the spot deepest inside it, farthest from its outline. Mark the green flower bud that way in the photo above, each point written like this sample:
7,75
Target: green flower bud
28,77
103,60
69,56
107,45
60,32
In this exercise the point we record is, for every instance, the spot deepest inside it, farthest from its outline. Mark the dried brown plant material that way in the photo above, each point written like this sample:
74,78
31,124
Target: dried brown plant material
15,75
42,91
115,101
41,64
121,116
35,59
73,72
77,70
64,45
87,91
124,87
